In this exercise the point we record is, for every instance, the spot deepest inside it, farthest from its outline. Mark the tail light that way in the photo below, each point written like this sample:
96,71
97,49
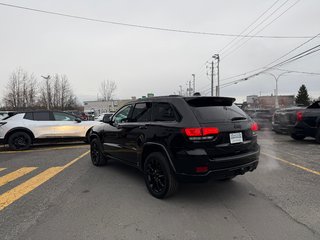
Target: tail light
299,116
254,127
206,133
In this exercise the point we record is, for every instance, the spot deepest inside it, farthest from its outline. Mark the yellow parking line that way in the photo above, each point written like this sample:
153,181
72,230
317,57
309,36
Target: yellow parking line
1,169
43,149
14,194
292,164
15,175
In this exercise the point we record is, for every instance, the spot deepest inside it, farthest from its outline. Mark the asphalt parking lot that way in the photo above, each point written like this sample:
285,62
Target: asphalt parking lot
54,192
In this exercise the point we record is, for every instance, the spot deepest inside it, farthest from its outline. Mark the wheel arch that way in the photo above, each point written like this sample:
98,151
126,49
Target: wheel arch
150,147
19,129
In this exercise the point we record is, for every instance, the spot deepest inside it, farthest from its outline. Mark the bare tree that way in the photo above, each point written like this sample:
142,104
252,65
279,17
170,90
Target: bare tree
21,91
107,89
58,92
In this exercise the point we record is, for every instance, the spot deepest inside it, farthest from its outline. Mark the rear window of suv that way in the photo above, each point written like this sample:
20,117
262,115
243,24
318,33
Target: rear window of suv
223,110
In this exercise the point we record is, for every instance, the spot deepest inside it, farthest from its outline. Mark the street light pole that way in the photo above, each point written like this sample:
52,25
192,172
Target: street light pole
276,78
47,83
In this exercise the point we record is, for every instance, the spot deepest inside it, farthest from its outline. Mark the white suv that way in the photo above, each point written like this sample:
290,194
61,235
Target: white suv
23,129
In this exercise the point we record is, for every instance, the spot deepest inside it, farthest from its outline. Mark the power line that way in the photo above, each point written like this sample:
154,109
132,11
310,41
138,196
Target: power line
289,60
292,59
148,27
282,56
294,71
256,20
249,38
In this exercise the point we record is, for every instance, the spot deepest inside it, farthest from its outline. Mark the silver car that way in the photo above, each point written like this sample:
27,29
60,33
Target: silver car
23,129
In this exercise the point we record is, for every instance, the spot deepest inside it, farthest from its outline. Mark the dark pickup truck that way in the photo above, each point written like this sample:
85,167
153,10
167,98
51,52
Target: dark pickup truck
285,118
307,123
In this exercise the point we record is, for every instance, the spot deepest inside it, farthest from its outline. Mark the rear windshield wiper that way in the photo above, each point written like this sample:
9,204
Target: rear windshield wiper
238,118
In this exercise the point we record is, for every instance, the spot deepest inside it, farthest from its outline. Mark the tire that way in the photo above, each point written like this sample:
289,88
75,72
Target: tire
297,137
158,176
97,157
19,141
318,135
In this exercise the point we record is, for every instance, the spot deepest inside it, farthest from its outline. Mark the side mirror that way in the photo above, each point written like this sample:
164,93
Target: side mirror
78,120
106,119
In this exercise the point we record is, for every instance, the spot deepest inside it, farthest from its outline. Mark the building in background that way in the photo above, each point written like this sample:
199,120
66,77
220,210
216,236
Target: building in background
98,107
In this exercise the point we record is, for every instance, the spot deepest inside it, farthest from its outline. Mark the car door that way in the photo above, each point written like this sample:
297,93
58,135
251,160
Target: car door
134,132
113,134
67,126
40,123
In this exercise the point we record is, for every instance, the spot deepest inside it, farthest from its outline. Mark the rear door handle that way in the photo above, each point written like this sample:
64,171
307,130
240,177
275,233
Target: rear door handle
142,127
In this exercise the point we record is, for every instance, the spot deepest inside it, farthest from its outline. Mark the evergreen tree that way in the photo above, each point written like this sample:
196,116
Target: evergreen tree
303,96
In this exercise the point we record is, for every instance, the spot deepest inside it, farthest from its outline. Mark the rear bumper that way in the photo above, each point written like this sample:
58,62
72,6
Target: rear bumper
224,167
303,130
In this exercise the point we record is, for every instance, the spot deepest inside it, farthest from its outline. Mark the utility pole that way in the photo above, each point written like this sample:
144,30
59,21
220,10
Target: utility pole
194,83
212,79
217,57
48,97
180,92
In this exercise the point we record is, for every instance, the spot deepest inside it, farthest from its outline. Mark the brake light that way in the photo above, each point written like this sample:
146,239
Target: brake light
299,116
210,131
254,127
199,132
193,132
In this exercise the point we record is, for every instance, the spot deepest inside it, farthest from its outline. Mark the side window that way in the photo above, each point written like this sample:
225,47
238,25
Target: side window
122,115
141,112
28,116
58,116
163,112
41,116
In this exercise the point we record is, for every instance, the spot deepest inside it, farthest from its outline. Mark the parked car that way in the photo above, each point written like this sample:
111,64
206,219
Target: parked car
103,115
23,129
283,118
263,117
307,123
173,139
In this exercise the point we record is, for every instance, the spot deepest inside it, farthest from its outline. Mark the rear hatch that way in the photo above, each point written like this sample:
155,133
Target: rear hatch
234,126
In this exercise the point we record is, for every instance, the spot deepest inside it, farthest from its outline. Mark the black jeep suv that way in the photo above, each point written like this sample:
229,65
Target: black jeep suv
174,138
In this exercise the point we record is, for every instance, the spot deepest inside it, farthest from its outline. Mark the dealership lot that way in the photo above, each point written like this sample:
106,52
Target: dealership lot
54,192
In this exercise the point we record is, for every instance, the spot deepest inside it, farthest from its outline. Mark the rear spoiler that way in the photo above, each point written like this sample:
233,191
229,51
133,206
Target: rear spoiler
209,101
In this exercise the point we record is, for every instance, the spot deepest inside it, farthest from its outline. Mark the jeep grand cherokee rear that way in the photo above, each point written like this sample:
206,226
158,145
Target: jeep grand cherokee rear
171,139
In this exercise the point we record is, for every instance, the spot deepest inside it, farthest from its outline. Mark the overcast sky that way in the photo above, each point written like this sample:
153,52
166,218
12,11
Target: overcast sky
141,61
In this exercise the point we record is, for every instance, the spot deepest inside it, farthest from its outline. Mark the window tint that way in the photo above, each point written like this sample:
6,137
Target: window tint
58,116
122,115
41,116
142,112
28,116
163,112
218,113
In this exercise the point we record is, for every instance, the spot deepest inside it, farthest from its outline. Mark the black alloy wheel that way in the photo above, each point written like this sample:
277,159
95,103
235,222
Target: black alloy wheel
158,177
19,141
97,157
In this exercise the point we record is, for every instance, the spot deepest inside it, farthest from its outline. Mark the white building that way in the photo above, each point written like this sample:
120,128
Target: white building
104,106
